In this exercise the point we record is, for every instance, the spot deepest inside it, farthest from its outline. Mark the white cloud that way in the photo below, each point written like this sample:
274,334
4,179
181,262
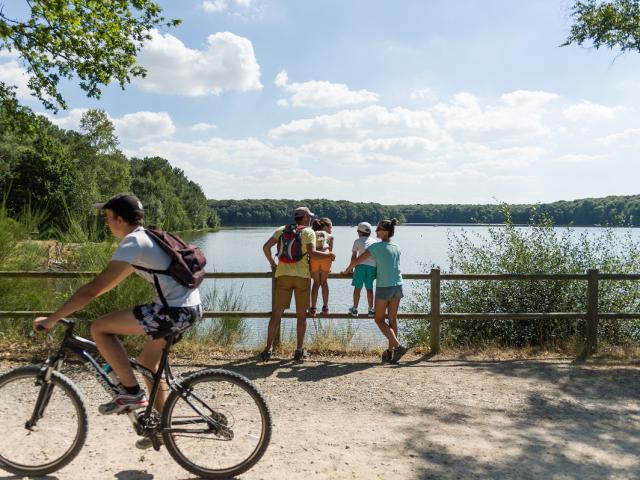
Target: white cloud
578,158
626,137
144,126
425,94
12,73
322,94
214,6
138,126
228,63
590,112
243,3
203,127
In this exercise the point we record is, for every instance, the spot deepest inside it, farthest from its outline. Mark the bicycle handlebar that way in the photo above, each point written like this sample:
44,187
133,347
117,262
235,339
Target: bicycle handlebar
64,321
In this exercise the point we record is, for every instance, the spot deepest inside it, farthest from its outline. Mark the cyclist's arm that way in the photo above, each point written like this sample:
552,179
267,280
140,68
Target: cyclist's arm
266,248
114,273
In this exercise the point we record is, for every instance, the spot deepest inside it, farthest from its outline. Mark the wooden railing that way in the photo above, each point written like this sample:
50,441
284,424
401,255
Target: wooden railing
592,315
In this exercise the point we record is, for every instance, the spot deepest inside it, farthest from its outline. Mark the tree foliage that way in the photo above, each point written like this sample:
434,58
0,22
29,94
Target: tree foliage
62,172
95,41
611,24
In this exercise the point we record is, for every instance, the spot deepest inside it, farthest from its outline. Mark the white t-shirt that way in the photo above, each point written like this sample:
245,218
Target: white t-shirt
137,248
360,246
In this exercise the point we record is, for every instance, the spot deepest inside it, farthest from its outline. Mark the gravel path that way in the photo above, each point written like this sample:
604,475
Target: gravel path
437,418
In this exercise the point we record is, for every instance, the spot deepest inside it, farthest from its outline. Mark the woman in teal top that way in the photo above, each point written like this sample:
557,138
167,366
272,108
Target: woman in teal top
388,286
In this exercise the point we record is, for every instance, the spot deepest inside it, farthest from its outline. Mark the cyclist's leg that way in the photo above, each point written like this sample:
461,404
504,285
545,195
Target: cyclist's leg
104,331
150,357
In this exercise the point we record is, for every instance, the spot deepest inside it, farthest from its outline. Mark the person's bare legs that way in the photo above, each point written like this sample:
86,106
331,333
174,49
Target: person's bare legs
150,357
324,277
394,304
314,289
356,296
104,331
381,310
301,328
274,325
370,298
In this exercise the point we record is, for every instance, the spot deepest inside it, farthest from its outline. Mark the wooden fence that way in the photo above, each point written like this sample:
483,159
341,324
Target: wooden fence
592,315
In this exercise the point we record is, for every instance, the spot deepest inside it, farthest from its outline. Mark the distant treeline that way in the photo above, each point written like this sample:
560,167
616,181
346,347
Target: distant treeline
56,174
614,210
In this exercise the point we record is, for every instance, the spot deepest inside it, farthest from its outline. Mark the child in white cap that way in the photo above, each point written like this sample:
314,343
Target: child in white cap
365,272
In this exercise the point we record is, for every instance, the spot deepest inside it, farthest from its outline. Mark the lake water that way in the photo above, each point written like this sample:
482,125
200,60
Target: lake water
240,250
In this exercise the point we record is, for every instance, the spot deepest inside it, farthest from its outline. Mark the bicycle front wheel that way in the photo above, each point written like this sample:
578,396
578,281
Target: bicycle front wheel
220,425
44,425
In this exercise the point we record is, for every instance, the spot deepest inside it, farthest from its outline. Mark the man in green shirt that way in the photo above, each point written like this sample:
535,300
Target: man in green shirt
296,243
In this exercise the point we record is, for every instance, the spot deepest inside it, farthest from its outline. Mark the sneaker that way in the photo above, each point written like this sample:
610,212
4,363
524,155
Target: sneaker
398,352
371,313
266,355
386,356
325,310
300,354
312,312
146,443
353,311
124,402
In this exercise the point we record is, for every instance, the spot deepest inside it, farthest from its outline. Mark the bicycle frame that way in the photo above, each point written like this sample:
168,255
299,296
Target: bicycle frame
85,349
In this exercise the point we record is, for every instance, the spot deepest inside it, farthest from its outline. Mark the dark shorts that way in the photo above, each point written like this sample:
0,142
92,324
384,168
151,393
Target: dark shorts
387,293
159,321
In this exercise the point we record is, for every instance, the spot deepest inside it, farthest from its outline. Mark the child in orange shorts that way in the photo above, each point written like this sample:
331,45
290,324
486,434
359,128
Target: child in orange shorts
320,268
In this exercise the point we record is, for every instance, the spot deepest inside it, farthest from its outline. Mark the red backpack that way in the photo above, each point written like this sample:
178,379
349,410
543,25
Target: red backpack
290,244
187,261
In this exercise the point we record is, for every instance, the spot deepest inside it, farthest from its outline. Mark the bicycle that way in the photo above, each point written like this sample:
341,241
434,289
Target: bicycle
40,407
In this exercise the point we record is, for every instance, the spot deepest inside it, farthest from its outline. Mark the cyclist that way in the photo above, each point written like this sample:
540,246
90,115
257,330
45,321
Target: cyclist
124,216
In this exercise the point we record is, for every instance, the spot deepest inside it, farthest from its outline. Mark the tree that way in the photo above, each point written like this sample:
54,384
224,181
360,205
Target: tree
97,41
99,130
611,24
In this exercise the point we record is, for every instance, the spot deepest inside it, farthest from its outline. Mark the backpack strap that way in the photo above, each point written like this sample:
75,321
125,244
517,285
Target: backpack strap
156,282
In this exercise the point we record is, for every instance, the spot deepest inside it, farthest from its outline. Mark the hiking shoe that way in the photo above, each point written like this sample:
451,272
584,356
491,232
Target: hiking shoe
146,443
371,313
353,311
325,310
300,354
266,355
124,402
397,354
386,356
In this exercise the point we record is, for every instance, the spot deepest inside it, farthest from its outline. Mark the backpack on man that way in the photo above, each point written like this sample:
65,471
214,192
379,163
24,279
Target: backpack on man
187,260
290,244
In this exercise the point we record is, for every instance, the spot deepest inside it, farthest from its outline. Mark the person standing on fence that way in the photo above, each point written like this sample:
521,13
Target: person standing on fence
321,267
388,286
365,272
296,243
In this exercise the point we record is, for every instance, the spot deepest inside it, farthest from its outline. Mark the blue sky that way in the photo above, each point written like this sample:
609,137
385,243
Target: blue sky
395,102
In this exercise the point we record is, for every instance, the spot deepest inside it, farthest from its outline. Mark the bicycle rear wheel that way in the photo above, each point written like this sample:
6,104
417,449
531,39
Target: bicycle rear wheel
60,427
220,428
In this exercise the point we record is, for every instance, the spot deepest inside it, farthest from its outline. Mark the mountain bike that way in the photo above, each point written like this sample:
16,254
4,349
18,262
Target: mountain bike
215,423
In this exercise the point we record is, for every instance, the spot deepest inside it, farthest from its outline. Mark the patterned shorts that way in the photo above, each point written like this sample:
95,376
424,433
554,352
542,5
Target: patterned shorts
159,321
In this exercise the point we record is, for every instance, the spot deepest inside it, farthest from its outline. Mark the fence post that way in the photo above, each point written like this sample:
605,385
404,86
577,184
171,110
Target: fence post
276,341
434,336
591,343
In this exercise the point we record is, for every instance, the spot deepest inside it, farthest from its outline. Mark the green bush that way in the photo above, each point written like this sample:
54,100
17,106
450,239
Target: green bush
539,248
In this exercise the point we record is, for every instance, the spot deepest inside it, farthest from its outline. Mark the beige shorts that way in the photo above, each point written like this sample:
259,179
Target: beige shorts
286,286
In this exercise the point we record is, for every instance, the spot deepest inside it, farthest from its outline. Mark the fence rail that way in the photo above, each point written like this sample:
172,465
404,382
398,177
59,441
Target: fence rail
592,315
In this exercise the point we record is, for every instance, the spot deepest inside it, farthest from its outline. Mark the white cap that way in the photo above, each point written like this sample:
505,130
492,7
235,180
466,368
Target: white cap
304,210
364,227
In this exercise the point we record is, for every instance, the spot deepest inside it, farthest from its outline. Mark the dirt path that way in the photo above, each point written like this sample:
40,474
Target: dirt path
441,418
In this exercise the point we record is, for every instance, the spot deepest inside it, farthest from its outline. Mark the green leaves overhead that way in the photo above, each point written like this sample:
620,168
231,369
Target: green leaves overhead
93,40
611,24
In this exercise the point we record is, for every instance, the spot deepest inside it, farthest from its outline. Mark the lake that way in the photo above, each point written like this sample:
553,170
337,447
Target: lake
240,250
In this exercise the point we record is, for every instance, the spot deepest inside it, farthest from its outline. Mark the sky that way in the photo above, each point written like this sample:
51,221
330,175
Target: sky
383,101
